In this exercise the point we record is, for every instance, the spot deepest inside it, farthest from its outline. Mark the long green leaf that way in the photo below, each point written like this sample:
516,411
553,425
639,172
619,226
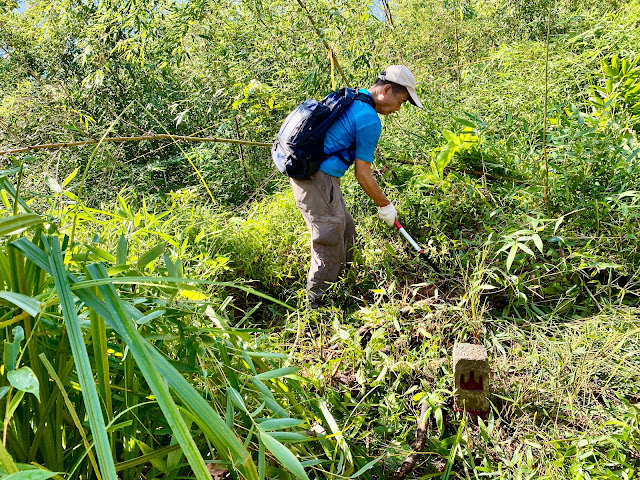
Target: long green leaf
122,250
151,254
512,255
280,372
138,348
294,437
99,340
72,410
284,455
216,430
18,223
35,474
12,191
279,423
368,466
81,359
163,281
26,303
454,448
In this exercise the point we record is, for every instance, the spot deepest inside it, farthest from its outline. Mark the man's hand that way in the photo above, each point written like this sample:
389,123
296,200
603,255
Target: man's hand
388,213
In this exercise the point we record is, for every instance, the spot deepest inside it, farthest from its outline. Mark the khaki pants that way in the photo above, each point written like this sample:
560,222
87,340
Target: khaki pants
320,201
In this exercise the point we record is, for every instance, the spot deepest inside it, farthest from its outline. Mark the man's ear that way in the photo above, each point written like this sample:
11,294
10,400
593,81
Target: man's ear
387,89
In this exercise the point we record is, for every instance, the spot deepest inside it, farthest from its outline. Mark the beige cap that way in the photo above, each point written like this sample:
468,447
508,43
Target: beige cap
402,76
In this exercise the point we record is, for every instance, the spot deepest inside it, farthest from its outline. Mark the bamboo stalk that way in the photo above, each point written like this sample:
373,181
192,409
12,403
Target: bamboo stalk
455,27
387,12
134,139
546,99
326,44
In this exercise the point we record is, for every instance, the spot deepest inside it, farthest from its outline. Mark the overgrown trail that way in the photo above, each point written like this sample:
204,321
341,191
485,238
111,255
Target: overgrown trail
153,262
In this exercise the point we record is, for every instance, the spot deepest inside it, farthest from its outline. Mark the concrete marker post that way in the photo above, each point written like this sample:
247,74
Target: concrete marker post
471,373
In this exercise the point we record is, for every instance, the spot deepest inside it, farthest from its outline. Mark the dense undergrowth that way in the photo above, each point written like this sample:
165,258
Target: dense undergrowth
152,303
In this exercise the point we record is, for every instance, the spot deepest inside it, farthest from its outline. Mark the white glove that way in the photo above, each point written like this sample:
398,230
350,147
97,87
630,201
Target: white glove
388,213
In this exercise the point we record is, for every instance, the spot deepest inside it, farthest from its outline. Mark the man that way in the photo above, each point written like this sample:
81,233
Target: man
319,198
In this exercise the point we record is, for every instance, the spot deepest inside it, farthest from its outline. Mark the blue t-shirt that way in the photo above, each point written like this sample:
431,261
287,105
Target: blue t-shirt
359,124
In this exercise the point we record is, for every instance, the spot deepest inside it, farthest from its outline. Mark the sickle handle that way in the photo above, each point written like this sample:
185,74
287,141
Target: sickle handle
407,236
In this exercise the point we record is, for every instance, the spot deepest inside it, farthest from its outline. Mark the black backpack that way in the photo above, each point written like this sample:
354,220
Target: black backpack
299,149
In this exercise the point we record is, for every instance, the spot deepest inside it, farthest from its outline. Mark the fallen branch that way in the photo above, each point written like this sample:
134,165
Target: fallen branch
134,139
421,438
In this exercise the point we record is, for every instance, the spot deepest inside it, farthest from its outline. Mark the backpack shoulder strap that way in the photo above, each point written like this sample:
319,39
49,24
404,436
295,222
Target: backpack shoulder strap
363,97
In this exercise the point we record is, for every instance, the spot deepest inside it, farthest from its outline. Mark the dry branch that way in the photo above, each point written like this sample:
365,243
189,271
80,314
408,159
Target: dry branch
135,139
421,438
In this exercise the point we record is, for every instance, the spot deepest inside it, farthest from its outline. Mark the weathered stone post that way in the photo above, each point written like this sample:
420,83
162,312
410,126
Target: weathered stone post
471,372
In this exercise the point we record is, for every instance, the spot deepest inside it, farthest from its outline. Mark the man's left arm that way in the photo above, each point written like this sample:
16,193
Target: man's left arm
386,210
369,184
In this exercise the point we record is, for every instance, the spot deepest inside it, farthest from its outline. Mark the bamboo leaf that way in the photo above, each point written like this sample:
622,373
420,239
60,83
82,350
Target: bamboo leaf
284,456
525,248
280,372
465,122
295,437
150,316
19,223
279,423
123,205
70,177
102,254
122,251
268,355
333,425
53,184
268,398
368,466
150,255
171,269
538,241
557,224
512,255
506,246
237,399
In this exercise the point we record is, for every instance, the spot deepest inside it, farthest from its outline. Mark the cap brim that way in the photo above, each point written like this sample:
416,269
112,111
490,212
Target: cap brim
413,97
